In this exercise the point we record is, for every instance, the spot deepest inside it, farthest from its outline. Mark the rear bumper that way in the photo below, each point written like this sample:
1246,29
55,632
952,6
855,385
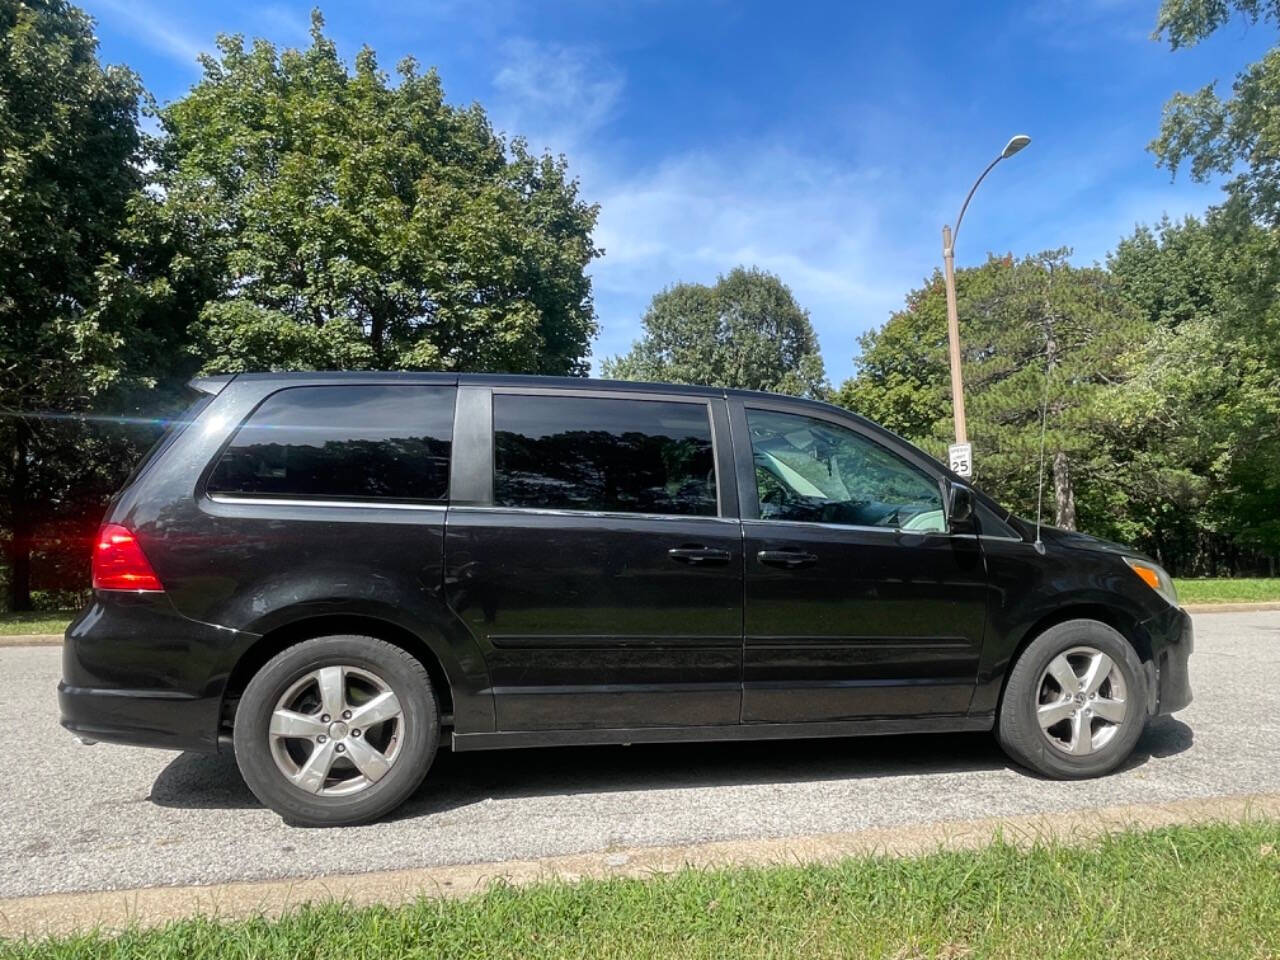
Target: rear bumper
136,671
1172,642
145,718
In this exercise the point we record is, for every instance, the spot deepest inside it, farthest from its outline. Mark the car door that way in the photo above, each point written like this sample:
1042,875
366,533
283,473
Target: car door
859,603
596,556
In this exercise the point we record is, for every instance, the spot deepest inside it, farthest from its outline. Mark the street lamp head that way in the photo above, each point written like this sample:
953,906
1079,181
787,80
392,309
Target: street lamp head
1014,145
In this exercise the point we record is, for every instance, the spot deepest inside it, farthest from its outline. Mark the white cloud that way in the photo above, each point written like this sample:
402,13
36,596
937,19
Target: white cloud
554,95
830,231
155,31
824,230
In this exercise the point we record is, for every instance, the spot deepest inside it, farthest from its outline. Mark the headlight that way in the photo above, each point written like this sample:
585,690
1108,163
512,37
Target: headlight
1154,577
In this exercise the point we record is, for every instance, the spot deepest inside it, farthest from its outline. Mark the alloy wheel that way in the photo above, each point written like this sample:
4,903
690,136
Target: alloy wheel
1082,701
336,730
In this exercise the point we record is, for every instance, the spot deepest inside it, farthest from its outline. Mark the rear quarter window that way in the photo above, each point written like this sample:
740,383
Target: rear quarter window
344,442
170,430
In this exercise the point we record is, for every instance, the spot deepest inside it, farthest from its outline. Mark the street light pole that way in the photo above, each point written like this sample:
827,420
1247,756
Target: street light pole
953,334
962,460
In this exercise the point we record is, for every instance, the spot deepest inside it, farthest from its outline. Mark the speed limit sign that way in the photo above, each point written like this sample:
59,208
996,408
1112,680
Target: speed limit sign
961,459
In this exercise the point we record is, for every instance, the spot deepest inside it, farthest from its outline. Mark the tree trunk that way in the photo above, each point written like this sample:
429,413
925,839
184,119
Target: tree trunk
1064,495
377,333
18,548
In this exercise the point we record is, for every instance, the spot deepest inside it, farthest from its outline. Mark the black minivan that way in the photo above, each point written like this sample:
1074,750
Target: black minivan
330,572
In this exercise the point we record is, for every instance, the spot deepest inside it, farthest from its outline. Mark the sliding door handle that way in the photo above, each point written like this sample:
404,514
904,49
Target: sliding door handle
790,559
699,556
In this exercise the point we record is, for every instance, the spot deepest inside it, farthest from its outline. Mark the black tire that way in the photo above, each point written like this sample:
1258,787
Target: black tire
418,731
1018,728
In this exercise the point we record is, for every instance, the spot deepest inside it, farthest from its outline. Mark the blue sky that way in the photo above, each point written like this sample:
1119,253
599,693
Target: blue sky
825,141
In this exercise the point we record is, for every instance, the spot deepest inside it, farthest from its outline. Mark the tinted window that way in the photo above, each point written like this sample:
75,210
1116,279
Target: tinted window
343,442
990,525
811,470
170,431
586,453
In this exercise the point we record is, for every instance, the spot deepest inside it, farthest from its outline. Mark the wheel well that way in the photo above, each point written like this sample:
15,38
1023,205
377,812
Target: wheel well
287,636
1118,620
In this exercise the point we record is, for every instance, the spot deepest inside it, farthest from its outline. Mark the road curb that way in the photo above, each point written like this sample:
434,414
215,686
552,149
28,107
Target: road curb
1230,607
65,913
31,640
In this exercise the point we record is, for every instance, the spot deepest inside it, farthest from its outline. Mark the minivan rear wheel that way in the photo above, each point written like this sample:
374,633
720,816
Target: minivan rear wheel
1075,703
337,730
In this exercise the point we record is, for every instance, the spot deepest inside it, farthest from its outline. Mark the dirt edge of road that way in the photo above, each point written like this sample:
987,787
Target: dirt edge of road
32,640
55,639
64,913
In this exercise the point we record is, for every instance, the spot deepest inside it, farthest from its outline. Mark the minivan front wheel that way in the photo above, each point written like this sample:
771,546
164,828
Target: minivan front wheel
1075,702
336,730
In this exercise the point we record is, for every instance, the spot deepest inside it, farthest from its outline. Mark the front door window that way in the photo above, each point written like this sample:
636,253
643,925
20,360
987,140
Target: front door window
811,470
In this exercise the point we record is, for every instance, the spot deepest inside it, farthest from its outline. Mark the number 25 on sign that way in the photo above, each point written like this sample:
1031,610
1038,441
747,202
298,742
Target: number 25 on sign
961,459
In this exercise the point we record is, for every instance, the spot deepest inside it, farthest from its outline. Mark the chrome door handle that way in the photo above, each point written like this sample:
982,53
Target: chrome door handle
789,559
699,556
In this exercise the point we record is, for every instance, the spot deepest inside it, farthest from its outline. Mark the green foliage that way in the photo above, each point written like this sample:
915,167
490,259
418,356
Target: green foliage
746,331
340,220
69,172
1223,135
1020,322
901,378
1184,23
1197,428
1163,398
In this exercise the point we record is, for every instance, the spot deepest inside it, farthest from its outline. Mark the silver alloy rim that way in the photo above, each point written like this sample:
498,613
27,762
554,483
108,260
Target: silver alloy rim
336,731
1082,701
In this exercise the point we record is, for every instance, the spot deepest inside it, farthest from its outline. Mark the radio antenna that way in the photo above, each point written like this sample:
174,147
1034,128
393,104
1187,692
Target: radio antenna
1044,418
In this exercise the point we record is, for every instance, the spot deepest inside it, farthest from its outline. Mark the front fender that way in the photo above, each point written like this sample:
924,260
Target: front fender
1028,591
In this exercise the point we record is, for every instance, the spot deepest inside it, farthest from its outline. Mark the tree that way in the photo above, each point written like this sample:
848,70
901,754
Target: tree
340,220
1218,135
901,378
1200,417
69,170
1034,332
746,331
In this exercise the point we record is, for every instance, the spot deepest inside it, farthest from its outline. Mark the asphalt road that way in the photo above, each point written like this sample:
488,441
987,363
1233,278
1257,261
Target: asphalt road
109,817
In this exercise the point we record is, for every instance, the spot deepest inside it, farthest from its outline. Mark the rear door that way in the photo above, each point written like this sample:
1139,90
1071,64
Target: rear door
594,551
859,603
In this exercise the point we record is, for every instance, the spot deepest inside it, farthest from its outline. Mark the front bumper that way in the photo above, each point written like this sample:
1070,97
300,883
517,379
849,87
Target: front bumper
1172,642
136,671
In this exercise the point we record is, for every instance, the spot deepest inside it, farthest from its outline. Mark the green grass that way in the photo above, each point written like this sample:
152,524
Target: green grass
38,621
1242,590
1208,891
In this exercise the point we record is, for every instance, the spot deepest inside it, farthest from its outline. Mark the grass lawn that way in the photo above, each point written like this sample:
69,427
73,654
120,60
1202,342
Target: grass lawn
39,621
1243,590
1207,891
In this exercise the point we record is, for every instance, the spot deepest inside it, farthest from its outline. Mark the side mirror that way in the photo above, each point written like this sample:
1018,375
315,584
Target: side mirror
960,508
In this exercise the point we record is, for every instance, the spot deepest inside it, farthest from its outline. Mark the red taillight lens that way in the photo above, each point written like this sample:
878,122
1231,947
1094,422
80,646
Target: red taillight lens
119,563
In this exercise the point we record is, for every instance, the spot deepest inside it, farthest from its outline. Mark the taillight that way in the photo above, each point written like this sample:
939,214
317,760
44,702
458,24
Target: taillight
119,563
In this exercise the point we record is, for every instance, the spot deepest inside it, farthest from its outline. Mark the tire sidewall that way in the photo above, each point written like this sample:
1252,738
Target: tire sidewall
421,726
1019,726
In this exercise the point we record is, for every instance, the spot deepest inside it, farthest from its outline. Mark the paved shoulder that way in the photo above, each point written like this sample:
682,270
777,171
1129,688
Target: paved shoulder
108,817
